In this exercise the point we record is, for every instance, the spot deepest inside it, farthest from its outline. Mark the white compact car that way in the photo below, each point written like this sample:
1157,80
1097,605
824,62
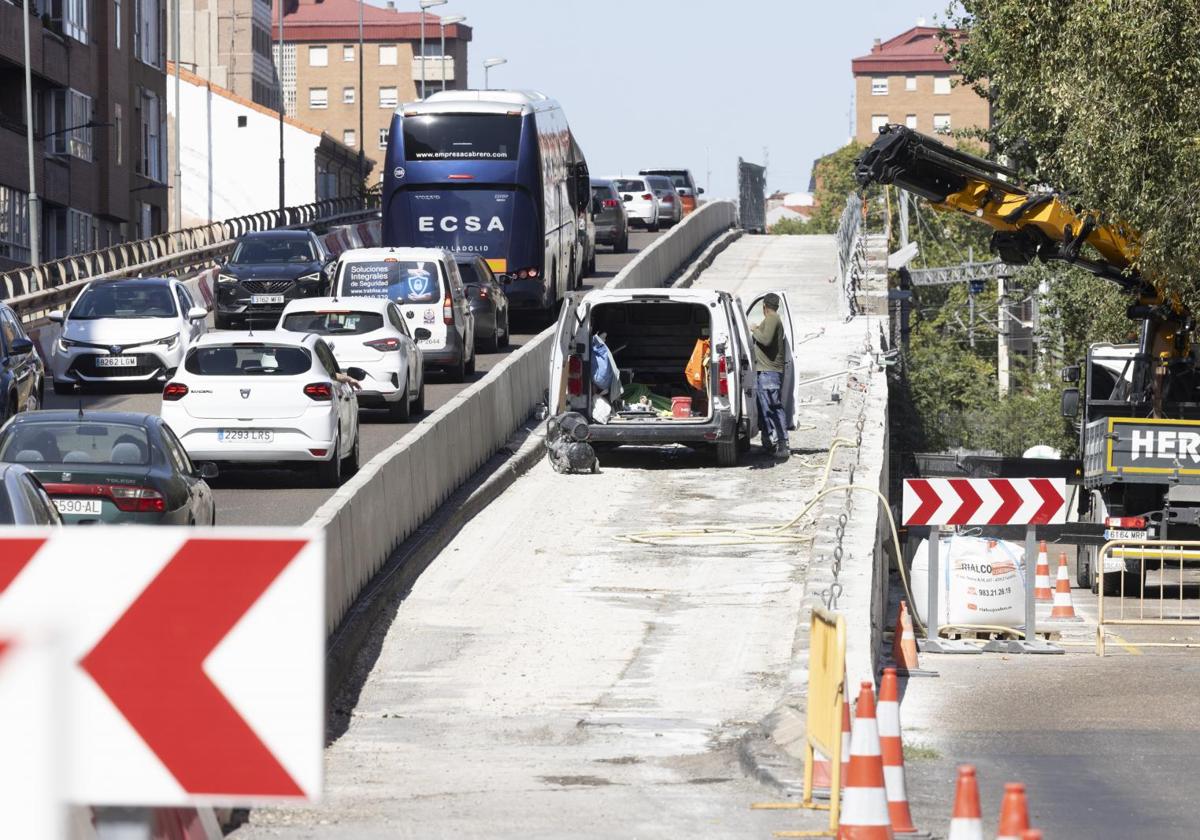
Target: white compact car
265,397
372,334
130,330
426,285
641,204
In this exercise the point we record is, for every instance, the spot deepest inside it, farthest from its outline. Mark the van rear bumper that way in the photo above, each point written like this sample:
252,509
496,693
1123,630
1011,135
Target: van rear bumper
721,429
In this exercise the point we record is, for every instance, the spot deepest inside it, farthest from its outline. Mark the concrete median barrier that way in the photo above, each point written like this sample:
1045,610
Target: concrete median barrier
401,487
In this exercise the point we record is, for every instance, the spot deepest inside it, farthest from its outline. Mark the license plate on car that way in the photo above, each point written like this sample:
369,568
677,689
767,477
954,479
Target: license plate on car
1125,534
264,299
116,361
85,507
245,435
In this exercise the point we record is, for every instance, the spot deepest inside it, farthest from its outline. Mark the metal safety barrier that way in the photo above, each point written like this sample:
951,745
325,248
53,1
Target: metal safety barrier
32,291
1134,560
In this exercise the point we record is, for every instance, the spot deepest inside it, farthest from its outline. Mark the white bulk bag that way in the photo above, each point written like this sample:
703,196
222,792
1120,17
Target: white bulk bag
982,581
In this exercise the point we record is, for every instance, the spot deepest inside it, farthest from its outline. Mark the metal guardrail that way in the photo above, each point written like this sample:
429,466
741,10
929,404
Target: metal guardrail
32,291
852,251
1139,608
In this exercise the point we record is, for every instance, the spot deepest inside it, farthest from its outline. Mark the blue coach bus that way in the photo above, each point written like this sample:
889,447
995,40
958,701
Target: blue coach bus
496,173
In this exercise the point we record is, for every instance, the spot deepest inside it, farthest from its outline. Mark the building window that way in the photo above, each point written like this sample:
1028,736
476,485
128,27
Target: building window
911,121
318,56
348,95
347,52
387,54
74,18
117,21
878,121
318,98
879,87
941,123
383,136
941,84
348,137
14,224
147,40
67,113
119,132
910,82
152,135
69,232
387,97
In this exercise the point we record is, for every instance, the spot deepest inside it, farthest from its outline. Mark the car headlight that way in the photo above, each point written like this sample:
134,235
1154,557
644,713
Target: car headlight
315,277
226,278
169,342
64,344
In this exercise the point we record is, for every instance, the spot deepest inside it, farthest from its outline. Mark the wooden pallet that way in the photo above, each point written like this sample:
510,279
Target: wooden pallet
987,636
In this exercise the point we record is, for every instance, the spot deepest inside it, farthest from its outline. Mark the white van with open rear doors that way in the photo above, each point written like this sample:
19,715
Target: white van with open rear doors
663,366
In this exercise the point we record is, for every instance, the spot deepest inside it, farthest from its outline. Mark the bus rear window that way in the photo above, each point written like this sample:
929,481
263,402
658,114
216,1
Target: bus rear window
462,137
404,281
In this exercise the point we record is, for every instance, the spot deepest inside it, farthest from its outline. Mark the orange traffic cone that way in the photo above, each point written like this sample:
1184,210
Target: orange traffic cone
1031,834
1014,812
904,642
822,767
1041,581
1063,608
892,748
864,800
966,822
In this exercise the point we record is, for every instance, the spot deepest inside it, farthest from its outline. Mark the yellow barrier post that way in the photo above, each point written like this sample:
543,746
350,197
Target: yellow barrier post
823,718
1145,552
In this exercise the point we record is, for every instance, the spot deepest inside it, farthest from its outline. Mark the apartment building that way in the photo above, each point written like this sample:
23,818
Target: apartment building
320,66
99,123
228,42
906,80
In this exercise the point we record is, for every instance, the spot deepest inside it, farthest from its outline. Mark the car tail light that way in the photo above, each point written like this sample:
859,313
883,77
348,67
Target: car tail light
575,376
384,344
134,499
319,391
174,391
723,378
609,203
1126,523
448,310
647,197
668,199
483,293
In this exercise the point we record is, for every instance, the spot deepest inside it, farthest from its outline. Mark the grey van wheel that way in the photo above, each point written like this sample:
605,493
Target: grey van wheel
727,453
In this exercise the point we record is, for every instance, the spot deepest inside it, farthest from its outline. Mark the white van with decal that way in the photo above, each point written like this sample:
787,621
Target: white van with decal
426,285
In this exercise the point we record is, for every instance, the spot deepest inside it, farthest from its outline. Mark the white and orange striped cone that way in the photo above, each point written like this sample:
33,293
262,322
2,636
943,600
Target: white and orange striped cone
864,798
1014,812
1063,608
904,642
891,746
1031,834
823,767
966,821
1041,581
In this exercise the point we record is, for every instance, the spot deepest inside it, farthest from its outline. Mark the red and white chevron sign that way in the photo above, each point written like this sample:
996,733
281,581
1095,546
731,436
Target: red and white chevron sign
194,659
985,501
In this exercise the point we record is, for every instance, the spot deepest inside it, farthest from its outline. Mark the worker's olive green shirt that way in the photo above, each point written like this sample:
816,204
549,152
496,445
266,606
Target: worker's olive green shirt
768,343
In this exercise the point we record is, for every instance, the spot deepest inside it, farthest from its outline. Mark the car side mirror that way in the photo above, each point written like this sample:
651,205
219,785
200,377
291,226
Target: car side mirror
1070,402
700,191
220,260
1070,373
57,317
197,313
20,347
421,334
207,470
357,373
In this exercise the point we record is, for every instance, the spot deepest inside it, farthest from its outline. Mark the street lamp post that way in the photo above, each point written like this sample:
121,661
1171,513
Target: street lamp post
32,205
447,21
362,175
488,64
178,116
279,76
426,4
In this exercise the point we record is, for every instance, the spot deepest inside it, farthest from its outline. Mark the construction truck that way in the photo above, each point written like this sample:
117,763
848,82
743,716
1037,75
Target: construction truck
1138,412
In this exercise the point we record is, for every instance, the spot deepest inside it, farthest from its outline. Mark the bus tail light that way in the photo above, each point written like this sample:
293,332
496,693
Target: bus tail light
526,274
447,310
575,376
723,378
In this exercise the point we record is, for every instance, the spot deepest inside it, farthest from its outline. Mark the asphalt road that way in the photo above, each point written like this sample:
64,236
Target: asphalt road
289,497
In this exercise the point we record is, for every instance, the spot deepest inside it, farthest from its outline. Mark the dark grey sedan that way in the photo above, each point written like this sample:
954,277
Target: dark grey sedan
488,302
612,222
23,500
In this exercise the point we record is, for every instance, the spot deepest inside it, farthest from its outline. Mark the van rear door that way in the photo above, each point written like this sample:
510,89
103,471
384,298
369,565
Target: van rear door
790,388
744,359
571,318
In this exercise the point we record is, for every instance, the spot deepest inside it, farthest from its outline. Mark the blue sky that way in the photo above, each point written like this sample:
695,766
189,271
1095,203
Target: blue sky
679,82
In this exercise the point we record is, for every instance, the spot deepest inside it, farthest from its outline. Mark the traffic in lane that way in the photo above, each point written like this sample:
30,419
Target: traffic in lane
288,497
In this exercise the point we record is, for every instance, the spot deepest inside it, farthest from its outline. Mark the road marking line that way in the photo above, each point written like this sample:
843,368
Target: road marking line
1124,644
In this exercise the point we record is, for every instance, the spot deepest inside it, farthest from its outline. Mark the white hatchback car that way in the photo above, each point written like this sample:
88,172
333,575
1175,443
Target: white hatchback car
641,204
371,334
265,397
131,330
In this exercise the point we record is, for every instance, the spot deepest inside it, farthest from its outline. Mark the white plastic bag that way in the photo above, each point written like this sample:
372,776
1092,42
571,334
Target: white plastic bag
981,581
601,410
